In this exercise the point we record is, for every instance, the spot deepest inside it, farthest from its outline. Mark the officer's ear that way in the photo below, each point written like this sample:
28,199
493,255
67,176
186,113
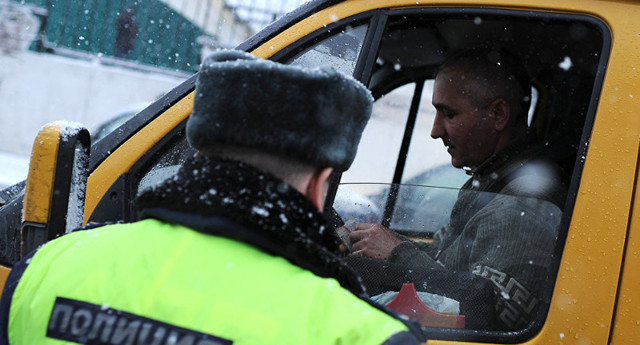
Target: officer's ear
501,113
318,186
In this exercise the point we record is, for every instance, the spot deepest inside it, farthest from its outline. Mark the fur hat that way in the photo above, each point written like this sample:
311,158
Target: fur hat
313,115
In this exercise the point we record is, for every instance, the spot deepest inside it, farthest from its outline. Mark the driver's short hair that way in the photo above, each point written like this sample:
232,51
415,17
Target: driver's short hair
498,72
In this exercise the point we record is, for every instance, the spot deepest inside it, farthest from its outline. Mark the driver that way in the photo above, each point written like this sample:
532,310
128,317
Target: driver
504,223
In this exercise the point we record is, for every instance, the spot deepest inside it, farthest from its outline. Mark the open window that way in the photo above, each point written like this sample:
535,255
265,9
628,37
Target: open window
403,179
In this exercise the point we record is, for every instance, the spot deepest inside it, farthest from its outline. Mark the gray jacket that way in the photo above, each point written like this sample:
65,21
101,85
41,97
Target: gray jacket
503,227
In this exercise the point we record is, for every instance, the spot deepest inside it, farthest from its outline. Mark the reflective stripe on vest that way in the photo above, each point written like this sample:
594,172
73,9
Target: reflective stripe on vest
177,277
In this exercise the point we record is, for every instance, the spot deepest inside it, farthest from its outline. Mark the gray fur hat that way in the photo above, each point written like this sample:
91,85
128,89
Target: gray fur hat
313,115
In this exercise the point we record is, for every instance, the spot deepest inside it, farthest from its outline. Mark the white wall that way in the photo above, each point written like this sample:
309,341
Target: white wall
39,88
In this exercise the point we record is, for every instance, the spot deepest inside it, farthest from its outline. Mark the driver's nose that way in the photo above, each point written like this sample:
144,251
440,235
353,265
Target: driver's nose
438,128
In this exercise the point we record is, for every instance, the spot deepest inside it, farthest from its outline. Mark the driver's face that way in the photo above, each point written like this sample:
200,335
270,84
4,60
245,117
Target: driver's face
466,129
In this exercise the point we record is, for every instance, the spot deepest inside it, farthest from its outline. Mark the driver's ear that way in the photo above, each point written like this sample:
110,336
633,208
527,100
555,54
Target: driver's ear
501,113
318,186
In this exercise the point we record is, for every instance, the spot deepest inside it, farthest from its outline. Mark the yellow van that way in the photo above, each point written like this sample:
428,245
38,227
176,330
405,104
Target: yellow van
584,59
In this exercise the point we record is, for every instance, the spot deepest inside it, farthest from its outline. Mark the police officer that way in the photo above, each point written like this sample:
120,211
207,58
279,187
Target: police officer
233,249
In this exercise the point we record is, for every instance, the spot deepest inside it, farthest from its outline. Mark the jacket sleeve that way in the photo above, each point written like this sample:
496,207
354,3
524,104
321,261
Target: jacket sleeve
7,295
414,254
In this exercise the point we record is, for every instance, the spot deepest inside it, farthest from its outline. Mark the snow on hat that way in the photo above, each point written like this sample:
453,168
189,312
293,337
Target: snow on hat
313,115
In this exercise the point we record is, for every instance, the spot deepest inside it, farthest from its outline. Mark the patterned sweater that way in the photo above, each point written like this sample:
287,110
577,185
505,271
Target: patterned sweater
503,227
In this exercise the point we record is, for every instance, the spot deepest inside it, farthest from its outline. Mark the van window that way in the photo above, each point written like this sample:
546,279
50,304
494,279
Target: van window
340,50
498,222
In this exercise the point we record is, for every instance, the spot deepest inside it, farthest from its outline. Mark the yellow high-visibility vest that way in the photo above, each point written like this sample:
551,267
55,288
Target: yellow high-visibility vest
155,283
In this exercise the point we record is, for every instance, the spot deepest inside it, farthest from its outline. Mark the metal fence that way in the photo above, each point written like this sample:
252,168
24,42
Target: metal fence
169,34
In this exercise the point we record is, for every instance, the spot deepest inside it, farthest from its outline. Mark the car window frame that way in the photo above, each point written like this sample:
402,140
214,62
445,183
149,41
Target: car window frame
538,324
363,73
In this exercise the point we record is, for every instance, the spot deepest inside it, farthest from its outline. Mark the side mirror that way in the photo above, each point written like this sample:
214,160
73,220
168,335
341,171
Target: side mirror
56,184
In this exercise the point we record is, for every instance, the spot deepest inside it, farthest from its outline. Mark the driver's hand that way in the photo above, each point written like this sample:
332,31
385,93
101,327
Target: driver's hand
373,240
